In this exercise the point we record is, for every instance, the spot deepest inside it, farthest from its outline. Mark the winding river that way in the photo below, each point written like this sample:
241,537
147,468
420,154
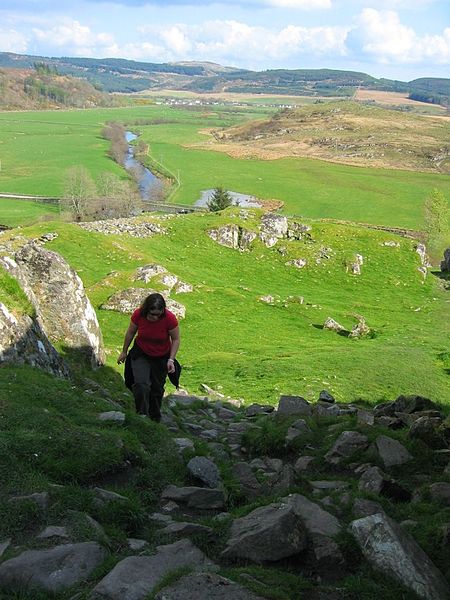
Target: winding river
147,182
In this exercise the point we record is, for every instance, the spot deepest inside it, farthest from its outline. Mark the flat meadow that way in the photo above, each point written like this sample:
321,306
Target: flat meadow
38,147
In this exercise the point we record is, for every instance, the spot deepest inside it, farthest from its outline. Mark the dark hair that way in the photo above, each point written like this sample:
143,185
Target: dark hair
153,302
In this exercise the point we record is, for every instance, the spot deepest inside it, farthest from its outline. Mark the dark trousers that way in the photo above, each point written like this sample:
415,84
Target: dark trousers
148,388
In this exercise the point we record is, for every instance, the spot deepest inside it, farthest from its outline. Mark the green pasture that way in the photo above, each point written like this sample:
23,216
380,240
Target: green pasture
37,147
234,342
13,211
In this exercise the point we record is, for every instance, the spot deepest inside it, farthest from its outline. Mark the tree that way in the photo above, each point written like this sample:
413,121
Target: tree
79,192
437,216
219,200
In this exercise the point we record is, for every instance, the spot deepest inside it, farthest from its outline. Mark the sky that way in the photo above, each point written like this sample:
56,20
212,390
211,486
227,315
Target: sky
397,39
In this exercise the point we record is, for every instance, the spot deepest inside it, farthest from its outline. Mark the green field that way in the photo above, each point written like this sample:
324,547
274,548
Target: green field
37,148
233,340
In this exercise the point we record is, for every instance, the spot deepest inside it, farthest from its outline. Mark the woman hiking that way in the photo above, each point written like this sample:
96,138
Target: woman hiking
152,356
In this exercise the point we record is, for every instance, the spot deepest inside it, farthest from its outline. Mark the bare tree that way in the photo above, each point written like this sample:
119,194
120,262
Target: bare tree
79,192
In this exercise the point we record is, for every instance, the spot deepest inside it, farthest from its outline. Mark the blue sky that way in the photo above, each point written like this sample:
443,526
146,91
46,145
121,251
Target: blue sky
399,39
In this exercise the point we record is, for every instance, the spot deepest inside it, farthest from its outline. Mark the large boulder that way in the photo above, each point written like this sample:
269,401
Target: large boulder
233,236
22,341
52,570
267,534
57,294
135,577
316,520
391,451
347,444
390,549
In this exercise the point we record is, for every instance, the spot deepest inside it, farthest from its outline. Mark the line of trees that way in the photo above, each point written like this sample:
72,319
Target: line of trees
109,197
115,133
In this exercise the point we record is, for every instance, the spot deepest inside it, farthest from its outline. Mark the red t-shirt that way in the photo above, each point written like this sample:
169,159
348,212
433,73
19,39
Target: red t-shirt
153,336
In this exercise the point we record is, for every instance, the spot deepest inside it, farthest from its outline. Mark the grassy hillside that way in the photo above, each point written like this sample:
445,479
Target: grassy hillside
28,89
247,348
347,132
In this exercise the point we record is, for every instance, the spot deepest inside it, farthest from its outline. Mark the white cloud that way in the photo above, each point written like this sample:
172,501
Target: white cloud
72,36
12,41
232,40
381,35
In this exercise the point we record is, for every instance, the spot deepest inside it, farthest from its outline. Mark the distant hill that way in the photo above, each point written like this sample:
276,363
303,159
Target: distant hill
121,75
346,132
43,87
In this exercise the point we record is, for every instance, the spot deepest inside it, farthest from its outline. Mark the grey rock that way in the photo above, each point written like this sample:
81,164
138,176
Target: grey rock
4,546
365,417
412,404
333,325
364,508
136,544
276,225
328,561
391,452
303,464
41,499
51,570
23,341
124,226
294,405
183,528
184,400
373,480
329,485
325,396
205,586
195,497
258,409
248,483
268,533
315,519
114,416
61,304
53,531
104,496
183,444
394,552
445,264
298,429
147,272
428,429
347,444
204,470
440,492
135,577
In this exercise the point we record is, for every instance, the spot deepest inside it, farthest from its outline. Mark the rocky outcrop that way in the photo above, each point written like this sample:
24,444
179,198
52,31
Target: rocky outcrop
57,294
22,341
233,236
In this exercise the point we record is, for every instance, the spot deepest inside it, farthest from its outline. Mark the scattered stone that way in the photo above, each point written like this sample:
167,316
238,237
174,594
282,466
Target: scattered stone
364,508
249,485
41,499
147,272
299,263
375,481
103,497
183,444
428,430
394,552
136,544
303,464
365,417
333,325
204,470
412,404
205,586
293,405
325,396
315,519
440,492
347,444
360,329
195,497
126,301
258,409
123,226
113,416
182,528
391,452
298,429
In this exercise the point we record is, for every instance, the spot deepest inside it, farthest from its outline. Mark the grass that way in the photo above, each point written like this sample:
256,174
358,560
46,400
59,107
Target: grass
226,340
39,146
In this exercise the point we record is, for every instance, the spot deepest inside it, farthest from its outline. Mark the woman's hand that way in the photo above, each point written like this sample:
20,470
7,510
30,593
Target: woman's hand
122,357
170,365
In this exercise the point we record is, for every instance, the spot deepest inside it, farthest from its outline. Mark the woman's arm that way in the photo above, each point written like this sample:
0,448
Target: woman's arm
129,335
174,335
